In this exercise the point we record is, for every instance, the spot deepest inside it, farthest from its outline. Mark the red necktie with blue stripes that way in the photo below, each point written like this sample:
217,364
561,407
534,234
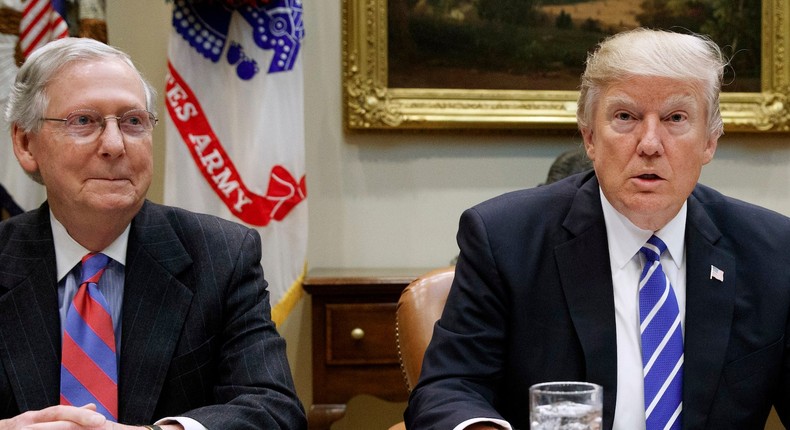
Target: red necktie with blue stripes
89,370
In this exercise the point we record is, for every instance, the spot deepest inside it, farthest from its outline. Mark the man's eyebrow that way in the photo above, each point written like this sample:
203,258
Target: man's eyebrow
619,100
682,100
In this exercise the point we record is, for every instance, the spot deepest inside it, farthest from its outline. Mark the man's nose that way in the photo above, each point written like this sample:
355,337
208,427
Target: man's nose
650,141
111,138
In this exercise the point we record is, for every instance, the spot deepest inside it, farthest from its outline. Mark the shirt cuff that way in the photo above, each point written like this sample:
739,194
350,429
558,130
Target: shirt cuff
187,423
504,424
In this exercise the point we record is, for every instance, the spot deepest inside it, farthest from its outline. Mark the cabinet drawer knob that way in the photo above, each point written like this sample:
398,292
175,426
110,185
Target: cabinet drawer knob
357,333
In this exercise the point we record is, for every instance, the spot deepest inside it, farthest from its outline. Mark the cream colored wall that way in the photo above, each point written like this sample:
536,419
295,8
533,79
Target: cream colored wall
393,199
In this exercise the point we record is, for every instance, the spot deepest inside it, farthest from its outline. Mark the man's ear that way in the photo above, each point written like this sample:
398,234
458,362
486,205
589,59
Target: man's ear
710,149
587,136
22,149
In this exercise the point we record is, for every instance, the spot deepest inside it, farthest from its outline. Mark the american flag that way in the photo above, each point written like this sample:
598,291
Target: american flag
40,24
716,273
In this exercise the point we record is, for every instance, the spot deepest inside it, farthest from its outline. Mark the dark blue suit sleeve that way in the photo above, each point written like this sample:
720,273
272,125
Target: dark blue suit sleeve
461,371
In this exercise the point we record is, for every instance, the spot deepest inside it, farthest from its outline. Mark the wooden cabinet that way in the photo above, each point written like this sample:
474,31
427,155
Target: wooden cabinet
354,346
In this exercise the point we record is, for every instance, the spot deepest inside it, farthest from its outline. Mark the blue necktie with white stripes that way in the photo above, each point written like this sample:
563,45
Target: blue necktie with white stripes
662,342
89,369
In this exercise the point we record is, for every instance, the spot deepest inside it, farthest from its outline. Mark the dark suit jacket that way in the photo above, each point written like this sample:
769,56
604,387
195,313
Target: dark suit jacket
197,338
532,301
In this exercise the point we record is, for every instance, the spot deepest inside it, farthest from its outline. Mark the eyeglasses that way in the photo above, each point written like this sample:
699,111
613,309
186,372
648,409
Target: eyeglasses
86,124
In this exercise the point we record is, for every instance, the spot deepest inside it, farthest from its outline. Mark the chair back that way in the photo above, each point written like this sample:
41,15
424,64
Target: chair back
419,307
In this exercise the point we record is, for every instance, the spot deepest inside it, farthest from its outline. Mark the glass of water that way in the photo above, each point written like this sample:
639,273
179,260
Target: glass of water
565,406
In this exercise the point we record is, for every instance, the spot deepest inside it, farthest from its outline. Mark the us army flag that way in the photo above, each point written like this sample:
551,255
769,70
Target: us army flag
235,127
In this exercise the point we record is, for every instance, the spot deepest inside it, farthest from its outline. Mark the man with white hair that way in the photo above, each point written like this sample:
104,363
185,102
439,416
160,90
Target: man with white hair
115,312
673,297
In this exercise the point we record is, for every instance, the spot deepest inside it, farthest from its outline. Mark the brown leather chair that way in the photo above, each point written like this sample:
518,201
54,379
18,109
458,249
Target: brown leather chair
419,307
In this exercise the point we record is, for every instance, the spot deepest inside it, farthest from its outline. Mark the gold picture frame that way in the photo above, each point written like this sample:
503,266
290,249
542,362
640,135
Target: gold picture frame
370,104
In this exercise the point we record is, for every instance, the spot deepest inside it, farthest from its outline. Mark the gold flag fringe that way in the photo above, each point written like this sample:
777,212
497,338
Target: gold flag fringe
281,310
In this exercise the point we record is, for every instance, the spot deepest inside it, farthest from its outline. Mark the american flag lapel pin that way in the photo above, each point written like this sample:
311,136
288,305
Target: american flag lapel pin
716,273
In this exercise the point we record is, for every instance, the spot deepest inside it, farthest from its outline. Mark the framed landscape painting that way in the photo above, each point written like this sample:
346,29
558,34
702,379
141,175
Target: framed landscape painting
433,64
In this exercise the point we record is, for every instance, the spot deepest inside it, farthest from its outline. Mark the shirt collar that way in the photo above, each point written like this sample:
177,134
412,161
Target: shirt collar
625,239
68,253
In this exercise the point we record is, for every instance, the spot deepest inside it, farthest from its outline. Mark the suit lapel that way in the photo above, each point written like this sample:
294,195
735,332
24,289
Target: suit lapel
155,306
29,314
586,279
710,304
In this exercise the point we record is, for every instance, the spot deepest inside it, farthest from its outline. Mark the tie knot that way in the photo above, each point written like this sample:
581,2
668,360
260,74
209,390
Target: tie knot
93,265
653,249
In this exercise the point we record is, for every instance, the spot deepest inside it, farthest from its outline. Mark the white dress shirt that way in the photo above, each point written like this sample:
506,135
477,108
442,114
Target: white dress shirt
68,255
625,239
